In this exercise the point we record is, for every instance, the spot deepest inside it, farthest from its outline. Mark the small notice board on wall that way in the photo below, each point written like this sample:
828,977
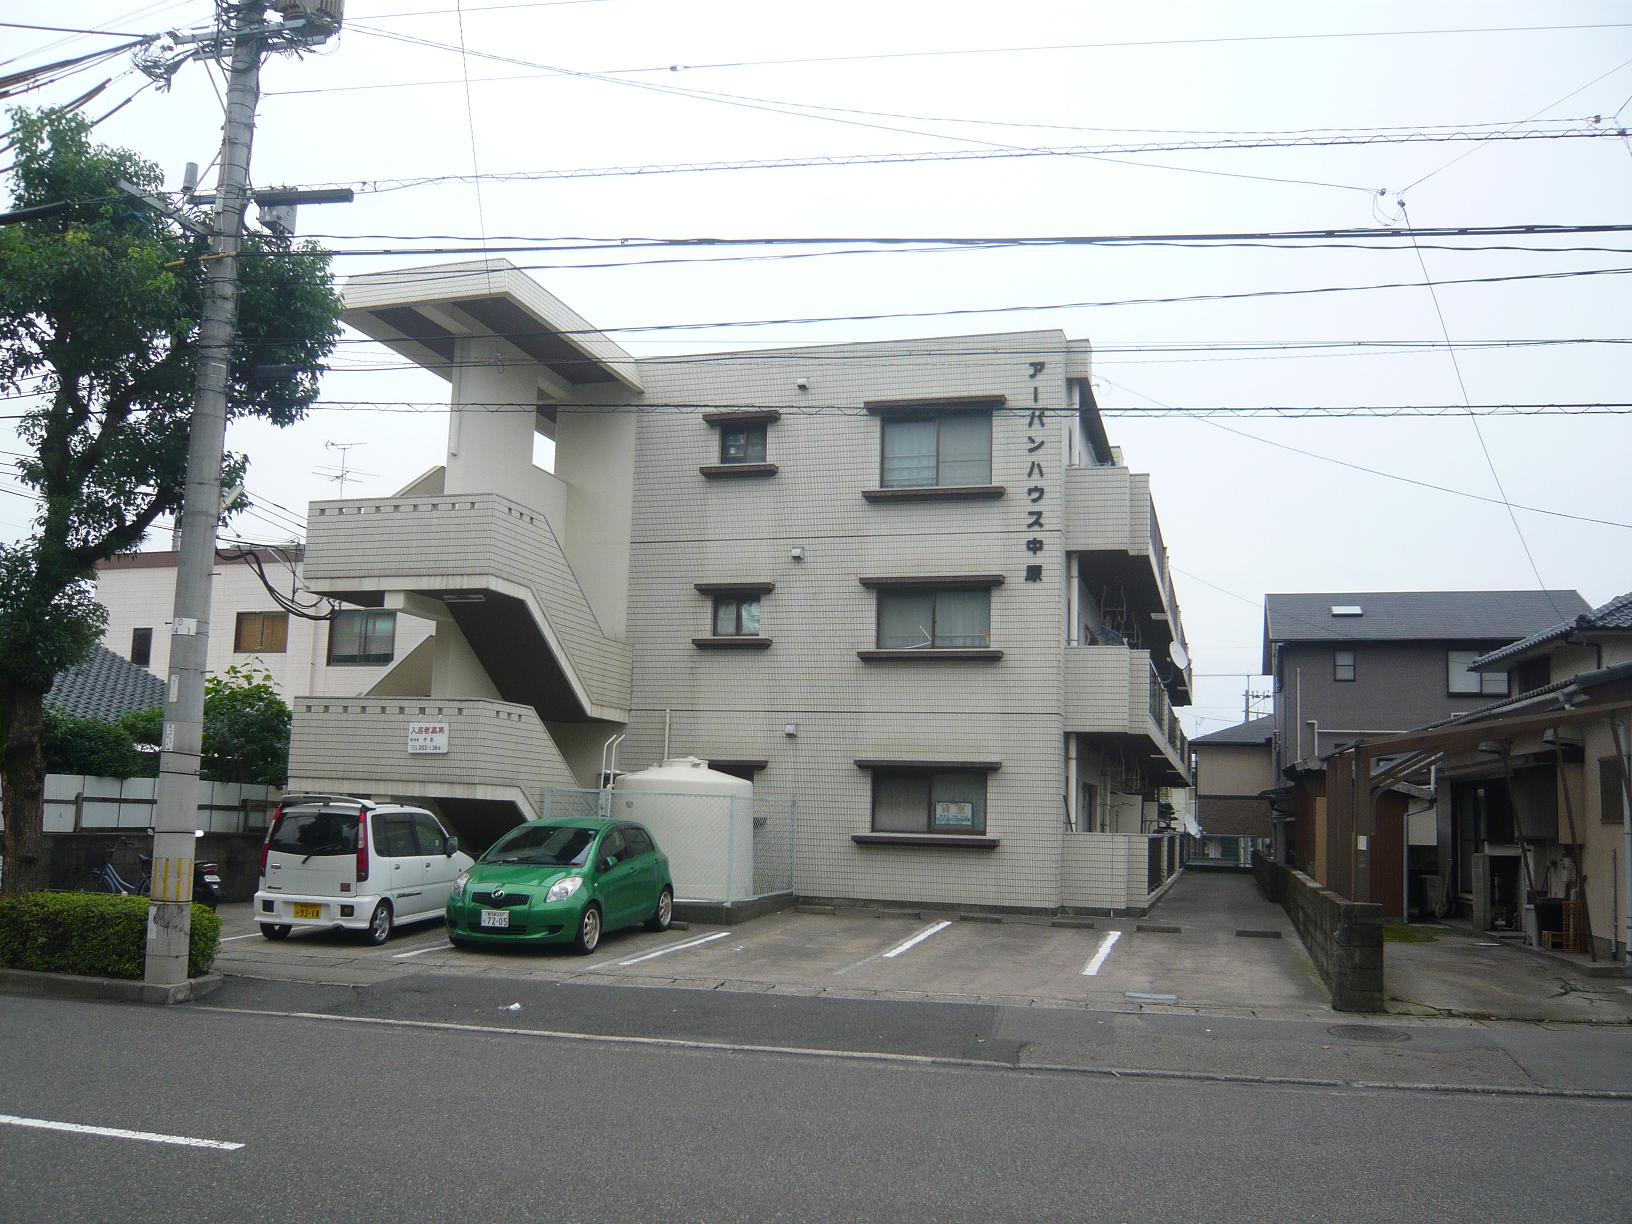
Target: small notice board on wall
427,737
955,815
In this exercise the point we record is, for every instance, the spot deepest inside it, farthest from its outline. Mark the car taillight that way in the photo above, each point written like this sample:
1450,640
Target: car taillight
266,845
362,845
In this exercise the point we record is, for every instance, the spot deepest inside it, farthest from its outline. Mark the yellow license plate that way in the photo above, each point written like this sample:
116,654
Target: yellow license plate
308,911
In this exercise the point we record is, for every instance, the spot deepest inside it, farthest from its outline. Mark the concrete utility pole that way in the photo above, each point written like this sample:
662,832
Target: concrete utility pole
244,29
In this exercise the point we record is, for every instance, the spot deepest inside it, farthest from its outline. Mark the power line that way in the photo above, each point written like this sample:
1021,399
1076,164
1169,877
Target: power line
1358,467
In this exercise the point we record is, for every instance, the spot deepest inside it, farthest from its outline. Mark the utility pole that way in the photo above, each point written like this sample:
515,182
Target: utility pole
243,29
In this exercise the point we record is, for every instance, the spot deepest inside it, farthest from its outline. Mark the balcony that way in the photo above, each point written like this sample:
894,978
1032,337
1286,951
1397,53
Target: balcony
1114,691
1109,516
494,750
506,582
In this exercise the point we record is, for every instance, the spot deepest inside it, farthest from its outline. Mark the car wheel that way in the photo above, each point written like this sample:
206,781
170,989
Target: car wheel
589,931
275,930
379,924
660,920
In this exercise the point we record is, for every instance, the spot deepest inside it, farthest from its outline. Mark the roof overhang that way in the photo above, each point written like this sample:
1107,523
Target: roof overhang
422,314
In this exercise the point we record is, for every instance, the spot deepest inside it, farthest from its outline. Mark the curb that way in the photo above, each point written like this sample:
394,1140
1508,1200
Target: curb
114,990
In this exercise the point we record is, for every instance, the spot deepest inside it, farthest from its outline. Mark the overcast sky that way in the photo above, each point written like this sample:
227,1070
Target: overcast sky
1247,505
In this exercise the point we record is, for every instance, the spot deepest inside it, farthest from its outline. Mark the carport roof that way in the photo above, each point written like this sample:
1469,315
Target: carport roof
1616,614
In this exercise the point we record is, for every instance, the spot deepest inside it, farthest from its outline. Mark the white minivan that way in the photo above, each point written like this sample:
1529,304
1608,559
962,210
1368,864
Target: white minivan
332,861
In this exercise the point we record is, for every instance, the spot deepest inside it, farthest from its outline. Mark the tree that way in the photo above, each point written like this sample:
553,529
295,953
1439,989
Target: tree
90,746
246,728
99,308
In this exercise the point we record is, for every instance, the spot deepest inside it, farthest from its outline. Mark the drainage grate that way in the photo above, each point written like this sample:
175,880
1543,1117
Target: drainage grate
1369,1032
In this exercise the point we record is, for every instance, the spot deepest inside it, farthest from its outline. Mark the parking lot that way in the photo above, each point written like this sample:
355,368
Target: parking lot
1213,943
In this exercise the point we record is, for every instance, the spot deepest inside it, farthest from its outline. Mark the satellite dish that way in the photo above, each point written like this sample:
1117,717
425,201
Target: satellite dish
1179,655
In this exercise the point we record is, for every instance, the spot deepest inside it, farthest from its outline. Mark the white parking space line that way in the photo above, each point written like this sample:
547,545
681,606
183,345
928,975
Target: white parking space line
1091,969
230,938
916,939
421,951
113,1132
679,947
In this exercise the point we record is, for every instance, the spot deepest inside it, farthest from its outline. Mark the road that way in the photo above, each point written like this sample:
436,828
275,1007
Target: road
435,1097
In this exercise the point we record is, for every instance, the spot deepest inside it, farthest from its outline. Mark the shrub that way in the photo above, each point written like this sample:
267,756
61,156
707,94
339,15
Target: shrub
92,934
90,746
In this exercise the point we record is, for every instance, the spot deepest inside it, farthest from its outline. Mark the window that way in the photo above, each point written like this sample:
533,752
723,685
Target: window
1459,680
141,647
934,619
433,839
950,450
742,444
261,633
1342,665
952,802
394,837
613,849
1611,791
636,841
736,615
315,834
362,635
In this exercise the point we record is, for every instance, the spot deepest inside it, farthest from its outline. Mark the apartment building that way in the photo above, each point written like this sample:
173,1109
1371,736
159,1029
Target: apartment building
909,586
346,653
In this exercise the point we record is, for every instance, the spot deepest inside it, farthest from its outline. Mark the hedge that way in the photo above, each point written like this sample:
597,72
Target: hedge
92,934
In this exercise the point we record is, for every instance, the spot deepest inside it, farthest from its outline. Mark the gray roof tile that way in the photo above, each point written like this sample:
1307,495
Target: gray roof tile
104,686
1254,733
1616,614
1415,616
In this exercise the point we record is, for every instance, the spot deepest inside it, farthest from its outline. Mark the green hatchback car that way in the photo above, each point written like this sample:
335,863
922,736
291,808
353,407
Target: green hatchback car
562,881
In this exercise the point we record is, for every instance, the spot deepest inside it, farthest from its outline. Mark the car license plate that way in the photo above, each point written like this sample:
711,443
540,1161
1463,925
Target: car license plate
308,911
495,918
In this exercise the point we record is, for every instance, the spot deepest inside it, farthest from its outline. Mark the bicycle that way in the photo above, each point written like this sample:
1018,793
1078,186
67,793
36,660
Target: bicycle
106,878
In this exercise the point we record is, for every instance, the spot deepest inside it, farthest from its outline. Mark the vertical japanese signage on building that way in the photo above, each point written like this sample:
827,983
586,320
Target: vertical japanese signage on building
1036,491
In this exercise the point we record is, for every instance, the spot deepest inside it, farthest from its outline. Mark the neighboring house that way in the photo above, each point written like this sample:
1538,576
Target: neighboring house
105,687
1351,665
1541,815
907,585
1234,771
1364,666
345,655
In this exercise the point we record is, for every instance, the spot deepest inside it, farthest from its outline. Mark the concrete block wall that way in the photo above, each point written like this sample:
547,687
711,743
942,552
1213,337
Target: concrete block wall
1344,938
736,703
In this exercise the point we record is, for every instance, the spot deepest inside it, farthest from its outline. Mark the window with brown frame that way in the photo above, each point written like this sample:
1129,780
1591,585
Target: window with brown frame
261,633
736,615
141,647
949,802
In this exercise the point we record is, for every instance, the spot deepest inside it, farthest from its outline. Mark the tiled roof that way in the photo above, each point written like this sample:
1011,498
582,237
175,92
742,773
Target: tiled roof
1414,616
1252,733
104,686
1616,614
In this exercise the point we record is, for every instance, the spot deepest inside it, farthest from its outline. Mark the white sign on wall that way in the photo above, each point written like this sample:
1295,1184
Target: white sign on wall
424,737
955,815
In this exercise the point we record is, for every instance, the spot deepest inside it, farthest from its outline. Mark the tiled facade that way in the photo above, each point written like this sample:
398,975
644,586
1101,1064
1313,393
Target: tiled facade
523,588
139,592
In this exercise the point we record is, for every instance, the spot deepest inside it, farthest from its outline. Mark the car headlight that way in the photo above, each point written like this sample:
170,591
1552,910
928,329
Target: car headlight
459,882
562,889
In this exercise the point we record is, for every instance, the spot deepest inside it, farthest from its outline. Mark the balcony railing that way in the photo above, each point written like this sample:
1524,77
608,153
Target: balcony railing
1114,690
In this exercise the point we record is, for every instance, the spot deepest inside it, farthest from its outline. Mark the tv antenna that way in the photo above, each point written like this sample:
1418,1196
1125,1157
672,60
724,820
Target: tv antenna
344,472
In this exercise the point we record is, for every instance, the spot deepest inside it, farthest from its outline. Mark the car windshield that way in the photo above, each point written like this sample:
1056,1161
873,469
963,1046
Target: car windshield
548,845
312,834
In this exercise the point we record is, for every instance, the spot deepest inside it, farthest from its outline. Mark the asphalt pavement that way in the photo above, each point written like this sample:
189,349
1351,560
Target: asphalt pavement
280,1100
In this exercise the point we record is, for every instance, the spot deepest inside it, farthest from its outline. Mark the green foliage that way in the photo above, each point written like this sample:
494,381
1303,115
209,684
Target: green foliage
246,728
92,935
91,746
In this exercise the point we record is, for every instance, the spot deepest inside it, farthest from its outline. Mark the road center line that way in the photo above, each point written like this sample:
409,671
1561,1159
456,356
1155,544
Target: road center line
112,1132
420,951
916,939
679,947
1091,969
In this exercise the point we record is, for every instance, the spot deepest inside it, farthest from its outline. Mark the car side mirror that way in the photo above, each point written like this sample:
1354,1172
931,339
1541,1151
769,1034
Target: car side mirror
453,846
